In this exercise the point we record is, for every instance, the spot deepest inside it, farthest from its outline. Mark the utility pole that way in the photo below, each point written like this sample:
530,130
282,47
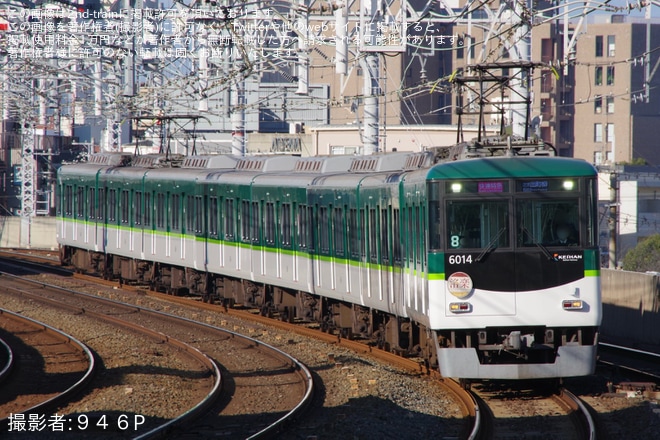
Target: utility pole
371,73
613,221
520,87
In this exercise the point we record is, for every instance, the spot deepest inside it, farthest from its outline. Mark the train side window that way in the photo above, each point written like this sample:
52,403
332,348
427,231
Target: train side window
324,230
147,209
363,236
245,221
213,216
592,209
160,210
137,207
103,207
190,214
112,205
302,226
373,235
338,231
310,230
418,236
384,234
435,225
229,219
91,203
397,236
80,202
269,230
255,220
353,237
410,248
124,207
175,211
68,201
199,214
285,220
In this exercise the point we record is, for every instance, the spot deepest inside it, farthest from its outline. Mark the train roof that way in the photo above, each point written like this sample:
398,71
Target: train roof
511,167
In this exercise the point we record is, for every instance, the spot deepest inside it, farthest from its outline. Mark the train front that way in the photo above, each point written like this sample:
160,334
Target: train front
514,268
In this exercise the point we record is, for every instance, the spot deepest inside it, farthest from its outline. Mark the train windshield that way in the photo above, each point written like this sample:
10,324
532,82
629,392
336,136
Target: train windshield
548,222
477,224
489,214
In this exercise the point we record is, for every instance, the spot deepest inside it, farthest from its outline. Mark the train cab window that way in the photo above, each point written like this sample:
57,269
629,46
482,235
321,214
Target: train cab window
548,222
548,212
477,224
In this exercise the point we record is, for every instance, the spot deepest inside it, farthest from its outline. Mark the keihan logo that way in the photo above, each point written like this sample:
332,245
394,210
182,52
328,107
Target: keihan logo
566,257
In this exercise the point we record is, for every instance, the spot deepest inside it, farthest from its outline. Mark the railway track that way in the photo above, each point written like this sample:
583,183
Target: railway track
485,414
247,365
524,410
43,367
639,362
199,310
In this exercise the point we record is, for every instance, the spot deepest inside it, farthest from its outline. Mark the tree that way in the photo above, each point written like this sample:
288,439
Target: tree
645,256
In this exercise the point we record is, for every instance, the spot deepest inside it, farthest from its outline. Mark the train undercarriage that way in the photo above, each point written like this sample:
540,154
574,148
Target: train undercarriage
350,321
493,346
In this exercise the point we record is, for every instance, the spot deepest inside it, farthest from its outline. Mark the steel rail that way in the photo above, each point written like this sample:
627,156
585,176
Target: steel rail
91,368
6,370
298,366
580,411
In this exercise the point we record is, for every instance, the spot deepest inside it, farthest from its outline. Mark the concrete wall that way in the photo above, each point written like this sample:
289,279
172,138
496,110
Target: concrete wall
631,309
41,233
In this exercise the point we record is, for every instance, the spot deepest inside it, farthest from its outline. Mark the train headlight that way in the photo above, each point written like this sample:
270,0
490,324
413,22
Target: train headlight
460,307
572,304
456,187
568,185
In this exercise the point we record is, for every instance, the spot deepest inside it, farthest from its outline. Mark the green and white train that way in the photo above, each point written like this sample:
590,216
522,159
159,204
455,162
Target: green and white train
459,262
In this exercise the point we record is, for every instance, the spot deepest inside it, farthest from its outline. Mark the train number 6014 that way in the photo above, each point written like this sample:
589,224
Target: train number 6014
460,259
